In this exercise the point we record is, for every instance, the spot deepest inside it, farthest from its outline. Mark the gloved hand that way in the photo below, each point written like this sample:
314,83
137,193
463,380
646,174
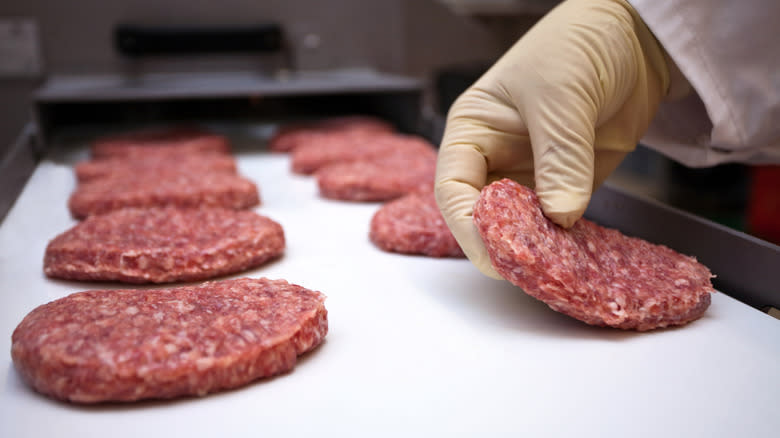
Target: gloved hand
558,112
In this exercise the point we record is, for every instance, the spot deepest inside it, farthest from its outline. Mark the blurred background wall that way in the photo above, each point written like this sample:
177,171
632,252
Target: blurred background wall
446,43
411,37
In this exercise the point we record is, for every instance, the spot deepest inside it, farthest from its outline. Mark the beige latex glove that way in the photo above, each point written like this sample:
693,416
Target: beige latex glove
558,112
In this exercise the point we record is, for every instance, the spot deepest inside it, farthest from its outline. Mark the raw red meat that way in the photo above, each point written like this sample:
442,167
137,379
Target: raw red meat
345,147
149,165
160,245
175,140
413,224
381,179
128,345
170,187
591,273
290,136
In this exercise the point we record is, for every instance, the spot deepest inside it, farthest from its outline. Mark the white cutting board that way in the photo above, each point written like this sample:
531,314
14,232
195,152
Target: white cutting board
417,346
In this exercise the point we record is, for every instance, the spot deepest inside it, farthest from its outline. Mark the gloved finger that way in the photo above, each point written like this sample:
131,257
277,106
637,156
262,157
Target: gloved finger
564,103
572,159
459,201
456,197
476,149
562,143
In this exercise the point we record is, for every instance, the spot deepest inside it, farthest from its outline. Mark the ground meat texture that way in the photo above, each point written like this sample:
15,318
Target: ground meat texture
161,245
128,345
170,187
382,179
413,224
174,140
150,164
291,135
332,148
591,273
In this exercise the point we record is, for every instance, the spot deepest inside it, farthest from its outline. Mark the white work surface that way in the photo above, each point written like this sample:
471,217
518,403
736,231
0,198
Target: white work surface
417,346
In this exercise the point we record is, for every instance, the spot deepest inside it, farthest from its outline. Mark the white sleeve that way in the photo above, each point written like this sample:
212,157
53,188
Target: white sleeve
729,52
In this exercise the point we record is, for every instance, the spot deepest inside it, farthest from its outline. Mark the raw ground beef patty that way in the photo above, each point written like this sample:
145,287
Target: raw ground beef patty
382,179
589,272
175,140
329,148
127,345
160,245
413,224
292,135
149,165
166,187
